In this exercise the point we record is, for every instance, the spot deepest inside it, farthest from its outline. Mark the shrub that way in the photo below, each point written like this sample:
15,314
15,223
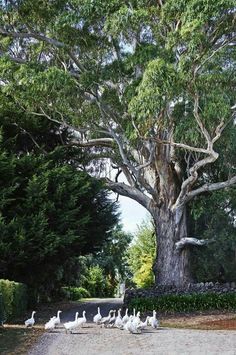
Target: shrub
185,303
75,293
97,283
14,299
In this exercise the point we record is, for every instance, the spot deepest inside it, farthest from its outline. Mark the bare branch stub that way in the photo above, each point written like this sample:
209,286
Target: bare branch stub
183,242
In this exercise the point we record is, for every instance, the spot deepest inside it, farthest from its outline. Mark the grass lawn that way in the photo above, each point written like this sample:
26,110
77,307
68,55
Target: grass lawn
205,320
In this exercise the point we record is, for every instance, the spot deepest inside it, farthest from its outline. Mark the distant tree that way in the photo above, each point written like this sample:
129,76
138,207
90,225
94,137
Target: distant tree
110,262
112,257
141,255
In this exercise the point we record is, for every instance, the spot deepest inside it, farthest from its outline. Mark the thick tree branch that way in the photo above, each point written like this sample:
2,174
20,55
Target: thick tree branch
128,191
180,145
150,159
182,198
34,35
135,170
221,46
183,242
130,178
211,187
199,122
102,142
98,142
120,144
40,37
185,194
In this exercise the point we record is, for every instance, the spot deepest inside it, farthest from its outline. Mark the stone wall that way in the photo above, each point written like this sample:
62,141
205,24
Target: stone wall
207,287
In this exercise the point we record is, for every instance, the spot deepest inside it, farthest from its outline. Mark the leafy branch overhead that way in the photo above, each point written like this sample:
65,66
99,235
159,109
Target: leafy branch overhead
138,75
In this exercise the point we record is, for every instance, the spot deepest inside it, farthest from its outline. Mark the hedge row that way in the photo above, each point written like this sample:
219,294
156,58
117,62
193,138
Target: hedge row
13,300
185,303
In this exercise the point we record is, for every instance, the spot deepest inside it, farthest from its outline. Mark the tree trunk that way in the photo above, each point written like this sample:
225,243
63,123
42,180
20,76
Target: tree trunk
172,266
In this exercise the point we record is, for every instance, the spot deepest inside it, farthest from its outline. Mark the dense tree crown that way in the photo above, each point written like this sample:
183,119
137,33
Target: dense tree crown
147,85
50,215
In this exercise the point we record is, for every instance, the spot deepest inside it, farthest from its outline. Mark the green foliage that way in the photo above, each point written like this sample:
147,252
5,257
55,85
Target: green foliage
186,303
97,283
75,293
213,217
166,44
112,258
142,254
101,272
14,299
50,213
160,83
149,54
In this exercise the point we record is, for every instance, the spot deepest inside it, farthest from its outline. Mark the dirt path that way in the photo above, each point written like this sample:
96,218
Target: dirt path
94,340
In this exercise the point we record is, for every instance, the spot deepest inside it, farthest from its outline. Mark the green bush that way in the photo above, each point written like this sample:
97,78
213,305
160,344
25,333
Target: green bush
75,293
185,303
14,299
97,283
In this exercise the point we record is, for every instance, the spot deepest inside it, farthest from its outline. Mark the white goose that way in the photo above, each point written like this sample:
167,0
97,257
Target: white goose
30,322
112,320
118,321
82,320
126,317
136,319
127,324
153,321
130,326
97,318
143,325
50,324
105,320
57,320
71,325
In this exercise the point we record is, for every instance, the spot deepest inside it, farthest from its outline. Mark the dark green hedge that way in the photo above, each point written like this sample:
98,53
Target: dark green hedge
13,299
185,303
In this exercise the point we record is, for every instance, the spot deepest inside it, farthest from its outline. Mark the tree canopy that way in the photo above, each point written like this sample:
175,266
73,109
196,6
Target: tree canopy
140,75
50,215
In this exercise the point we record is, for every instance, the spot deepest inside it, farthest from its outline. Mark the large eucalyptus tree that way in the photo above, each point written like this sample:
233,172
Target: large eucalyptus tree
146,86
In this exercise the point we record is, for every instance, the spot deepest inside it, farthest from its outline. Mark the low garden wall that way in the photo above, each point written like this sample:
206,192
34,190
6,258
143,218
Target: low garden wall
200,296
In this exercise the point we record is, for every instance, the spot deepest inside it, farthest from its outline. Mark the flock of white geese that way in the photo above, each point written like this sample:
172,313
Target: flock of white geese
131,323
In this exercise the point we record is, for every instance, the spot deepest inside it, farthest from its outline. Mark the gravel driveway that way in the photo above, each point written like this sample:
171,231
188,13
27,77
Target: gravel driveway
94,340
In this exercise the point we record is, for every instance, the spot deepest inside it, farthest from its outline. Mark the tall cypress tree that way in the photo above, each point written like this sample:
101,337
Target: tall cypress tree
50,214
